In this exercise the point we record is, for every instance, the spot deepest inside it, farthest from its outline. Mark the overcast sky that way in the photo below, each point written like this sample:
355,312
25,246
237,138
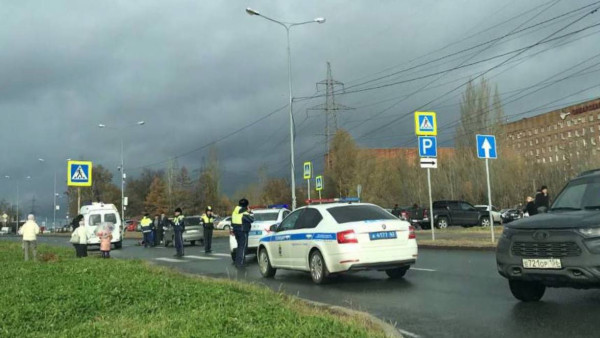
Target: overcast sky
195,71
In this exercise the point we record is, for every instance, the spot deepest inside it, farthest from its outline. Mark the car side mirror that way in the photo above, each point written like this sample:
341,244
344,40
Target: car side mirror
273,228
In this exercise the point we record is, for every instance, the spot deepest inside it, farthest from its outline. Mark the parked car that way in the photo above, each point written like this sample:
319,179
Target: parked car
560,248
509,215
496,215
449,213
131,225
193,232
224,224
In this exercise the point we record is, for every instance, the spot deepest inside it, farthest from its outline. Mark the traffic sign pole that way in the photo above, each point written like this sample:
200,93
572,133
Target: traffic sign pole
430,205
487,170
308,182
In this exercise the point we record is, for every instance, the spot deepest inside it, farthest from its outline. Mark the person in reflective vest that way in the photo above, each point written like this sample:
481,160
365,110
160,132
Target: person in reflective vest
208,220
241,222
146,224
178,228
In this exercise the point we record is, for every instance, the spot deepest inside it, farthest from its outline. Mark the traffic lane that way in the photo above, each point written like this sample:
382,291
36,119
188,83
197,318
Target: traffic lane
448,294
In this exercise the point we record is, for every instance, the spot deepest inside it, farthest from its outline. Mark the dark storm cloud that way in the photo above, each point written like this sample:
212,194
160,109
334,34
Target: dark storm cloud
198,70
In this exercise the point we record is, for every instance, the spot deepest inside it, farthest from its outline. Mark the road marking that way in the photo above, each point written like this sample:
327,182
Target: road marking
408,334
201,257
171,260
421,269
221,255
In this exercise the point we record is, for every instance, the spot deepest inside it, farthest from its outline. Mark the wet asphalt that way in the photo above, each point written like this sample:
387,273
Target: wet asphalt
449,293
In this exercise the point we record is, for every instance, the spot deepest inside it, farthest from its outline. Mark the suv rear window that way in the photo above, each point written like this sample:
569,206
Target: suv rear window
359,213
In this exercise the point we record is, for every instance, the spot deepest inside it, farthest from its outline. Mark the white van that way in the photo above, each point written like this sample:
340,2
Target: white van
97,213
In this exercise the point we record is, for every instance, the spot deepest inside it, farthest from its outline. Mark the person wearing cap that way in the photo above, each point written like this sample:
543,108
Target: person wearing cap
146,224
178,228
29,231
208,220
241,222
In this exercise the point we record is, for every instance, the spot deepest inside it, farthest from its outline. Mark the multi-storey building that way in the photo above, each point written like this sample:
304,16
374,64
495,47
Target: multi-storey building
558,135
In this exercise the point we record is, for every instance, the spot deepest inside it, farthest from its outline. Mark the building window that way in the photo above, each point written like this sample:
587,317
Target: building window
550,159
591,129
544,160
549,149
592,141
537,151
535,131
569,123
568,134
530,143
576,133
591,118
555,126
561,124
537,141
584,143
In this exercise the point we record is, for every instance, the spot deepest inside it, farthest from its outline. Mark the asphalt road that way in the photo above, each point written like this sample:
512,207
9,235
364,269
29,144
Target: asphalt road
447,294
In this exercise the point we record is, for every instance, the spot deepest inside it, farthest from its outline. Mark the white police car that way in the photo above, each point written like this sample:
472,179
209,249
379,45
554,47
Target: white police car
332,238
263,220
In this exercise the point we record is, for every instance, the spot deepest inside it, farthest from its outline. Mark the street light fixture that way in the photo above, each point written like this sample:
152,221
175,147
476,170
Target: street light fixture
122,166
288,26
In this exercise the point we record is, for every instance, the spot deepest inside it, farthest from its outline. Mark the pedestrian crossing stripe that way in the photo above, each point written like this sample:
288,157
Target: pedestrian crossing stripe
79,173
425,124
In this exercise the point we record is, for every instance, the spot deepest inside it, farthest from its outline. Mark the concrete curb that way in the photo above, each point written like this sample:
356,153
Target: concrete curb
390,330
451,247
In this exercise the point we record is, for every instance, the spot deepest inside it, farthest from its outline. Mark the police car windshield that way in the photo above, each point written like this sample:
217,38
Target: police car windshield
359,213
265,216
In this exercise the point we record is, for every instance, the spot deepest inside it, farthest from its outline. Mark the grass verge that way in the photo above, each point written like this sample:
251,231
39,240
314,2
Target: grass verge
61,296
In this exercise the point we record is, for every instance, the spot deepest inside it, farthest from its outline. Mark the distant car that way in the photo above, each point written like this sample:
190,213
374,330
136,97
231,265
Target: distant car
560,248
193,232
509,215
131,225
224,224
496,215
448,213
327,239
264,219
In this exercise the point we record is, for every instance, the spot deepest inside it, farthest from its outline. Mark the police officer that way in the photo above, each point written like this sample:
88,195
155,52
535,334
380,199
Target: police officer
178,228
146,224
241,221
208,220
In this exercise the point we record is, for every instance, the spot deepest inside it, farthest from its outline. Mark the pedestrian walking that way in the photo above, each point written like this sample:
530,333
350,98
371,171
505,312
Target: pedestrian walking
162,225
79,239
146,224
29,231
155,230
208,223
542,200
241,222
105,239
530,208
178,228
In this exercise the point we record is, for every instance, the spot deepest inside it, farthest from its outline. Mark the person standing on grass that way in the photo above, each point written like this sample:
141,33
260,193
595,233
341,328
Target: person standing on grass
105,240
30,230
79,240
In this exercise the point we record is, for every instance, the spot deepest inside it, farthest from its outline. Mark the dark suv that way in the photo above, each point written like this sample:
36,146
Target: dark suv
558,249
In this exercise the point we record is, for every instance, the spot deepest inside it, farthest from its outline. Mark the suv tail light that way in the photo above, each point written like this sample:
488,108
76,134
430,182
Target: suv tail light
411,232
345,237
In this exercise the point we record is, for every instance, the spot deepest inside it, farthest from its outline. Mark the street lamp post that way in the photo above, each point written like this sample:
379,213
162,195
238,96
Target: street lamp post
288,26
122,167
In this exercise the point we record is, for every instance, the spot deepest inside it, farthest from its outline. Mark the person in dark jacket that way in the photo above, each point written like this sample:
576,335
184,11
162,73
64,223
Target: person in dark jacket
530,208
155,226
542,200
178,229
163,224
208,223
396,211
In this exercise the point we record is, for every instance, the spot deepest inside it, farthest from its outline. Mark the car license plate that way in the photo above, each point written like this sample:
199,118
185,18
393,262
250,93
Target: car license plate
542,263
382,235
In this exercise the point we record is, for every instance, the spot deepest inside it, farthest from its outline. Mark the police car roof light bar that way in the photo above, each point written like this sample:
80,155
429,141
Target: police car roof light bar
333,200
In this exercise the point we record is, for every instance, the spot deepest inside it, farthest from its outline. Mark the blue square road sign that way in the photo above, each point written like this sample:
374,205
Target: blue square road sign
427,146
486,146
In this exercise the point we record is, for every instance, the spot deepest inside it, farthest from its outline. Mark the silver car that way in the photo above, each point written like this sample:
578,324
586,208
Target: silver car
193,232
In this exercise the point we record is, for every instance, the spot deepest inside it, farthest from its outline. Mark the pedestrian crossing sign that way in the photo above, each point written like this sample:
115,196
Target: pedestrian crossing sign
79,173
425,123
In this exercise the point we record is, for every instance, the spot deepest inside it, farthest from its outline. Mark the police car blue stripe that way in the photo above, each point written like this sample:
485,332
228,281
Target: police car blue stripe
323,236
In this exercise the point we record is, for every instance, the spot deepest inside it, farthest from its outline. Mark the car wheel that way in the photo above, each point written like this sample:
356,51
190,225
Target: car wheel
192,243
527,291
442,223
397,273
318,270
484,222
264,263
233,254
